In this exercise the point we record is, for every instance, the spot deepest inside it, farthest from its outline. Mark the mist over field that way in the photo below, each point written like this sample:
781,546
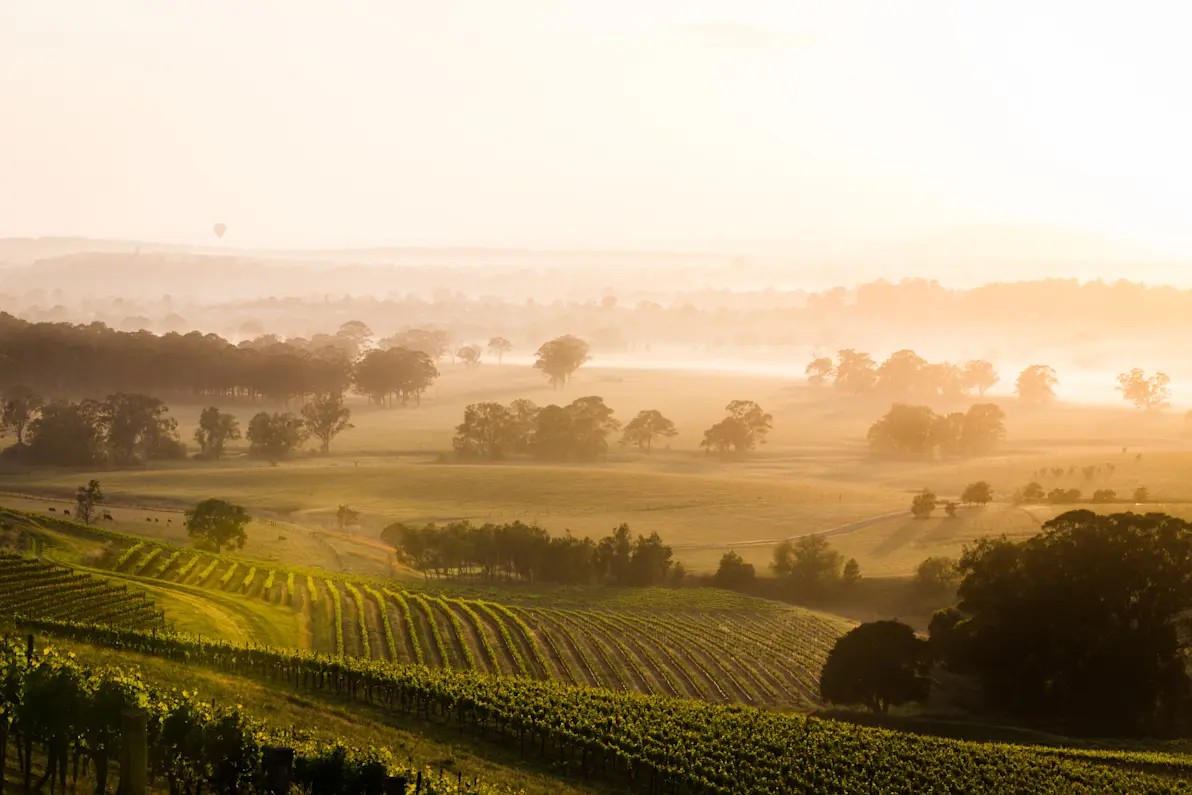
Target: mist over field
560,398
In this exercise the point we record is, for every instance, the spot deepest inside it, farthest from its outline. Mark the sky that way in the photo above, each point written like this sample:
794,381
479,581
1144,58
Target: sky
789,128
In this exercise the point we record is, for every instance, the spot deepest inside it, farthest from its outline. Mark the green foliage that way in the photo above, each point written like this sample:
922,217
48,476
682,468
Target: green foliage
923,504
325,417
627,740
337,604
128,554
216,523
361,618
879,664
734,573
227,577
1080,622
86,498
19,407
275,435
215,430
246,583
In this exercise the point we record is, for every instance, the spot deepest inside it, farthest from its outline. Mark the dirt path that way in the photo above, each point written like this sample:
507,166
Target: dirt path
836,531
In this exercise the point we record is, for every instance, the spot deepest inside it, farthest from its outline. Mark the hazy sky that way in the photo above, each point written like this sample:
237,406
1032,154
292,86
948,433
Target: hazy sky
734,125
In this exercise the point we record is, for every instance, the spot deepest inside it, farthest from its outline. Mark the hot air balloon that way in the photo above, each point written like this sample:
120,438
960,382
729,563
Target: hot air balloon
220,229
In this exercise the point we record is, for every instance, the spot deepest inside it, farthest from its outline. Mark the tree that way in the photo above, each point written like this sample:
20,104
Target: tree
403,372
851,572
980,375
808,566
950,509
1033,493
432,342
217,523
819,370
345,517
1036,384
488,431
978,493
66,434
1080,622
19,408
1142,494
904,432
734,573
923,504
560,358
590,422
500,346
136,427
1145,393
1104,495
470,356
215,430
647,426
902,374
983,427
879,664
745,427
86,498
936,574
274,435
325,417
856,372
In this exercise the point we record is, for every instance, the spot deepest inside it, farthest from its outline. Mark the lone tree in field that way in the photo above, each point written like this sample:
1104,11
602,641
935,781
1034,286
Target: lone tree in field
1036,384
275,436
500,346
647,426
470,356
345,517
19,408
86,498
326,417
923,504
215,430
216,523
734,573
879,664
1145,393
744,428
979,493
808,566
819,370
561,357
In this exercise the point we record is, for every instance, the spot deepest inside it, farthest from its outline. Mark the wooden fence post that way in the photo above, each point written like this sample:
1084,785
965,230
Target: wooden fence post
134,752
278,765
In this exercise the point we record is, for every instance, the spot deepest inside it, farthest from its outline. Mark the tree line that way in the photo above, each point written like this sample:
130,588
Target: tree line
918,432
581,430
125,429
519,551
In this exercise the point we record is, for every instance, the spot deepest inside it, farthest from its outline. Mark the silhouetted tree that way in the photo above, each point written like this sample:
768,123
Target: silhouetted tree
978,493
216,523
500,346
326,417
905,432
20,407
274,435
936,574
1145,393
902,374
470,356
648,425
1036,384
856,372
345,517
66,434
560,358
807,566
489,430
86,498
923,504
819,370
136,427
980,375
851,572
734,573
215,430
1079,622
879,664
745,427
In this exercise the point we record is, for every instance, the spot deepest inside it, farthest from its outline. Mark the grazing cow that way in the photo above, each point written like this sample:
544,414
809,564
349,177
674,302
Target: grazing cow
107,516
66,511
52,510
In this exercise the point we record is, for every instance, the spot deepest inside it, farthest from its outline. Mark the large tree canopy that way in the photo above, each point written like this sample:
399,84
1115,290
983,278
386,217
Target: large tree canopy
1082,622
879,664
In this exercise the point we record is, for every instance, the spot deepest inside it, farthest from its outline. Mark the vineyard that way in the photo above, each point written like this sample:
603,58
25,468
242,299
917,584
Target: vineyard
765,656
59,710
662,745
35,588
